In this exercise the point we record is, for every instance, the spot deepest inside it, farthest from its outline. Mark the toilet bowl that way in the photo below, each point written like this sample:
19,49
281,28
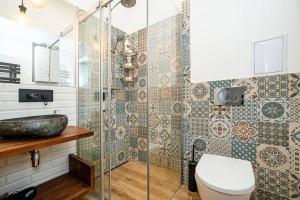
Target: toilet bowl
224,178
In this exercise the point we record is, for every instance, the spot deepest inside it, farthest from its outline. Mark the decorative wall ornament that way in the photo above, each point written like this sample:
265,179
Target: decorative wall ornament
243,131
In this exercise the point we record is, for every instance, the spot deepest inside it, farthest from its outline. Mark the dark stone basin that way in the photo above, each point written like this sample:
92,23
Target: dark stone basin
35,126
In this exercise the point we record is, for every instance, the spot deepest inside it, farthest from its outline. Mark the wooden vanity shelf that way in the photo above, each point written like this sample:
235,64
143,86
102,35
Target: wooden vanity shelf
80,179
71,186
10,147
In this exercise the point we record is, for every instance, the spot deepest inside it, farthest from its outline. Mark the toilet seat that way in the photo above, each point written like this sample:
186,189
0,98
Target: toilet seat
226,175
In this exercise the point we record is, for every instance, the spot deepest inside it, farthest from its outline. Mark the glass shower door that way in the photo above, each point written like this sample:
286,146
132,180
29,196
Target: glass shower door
94,96
164,98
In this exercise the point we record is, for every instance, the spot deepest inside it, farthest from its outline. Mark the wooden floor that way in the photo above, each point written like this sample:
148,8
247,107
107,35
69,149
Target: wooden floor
129,182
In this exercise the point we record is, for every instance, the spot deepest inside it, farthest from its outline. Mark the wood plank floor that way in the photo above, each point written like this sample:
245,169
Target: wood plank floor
129,182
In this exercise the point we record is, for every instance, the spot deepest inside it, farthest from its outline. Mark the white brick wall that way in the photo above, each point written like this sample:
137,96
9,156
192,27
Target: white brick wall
16,172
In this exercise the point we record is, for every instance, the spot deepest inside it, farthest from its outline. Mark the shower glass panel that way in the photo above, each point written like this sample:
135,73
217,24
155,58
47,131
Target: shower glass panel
164,98
129,94
89,92
129,155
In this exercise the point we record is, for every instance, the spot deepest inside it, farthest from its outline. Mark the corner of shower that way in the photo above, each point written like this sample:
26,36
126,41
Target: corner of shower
136,124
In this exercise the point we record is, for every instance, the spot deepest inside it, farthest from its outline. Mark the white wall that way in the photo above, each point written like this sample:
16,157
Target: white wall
55,17
16,171
223,32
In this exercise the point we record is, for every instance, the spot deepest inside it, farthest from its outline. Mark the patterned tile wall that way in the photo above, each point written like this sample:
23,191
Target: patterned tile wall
265,131
164,96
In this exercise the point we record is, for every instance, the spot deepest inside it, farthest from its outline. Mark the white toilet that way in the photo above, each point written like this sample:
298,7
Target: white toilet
224,178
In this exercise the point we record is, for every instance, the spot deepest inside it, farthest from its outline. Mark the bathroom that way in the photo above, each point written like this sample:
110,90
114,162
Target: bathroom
149,99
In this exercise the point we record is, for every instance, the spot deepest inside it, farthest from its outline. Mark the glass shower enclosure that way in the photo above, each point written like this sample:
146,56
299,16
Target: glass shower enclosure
129,94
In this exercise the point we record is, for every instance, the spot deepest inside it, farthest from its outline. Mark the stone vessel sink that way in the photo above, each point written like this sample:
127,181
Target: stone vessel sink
34,126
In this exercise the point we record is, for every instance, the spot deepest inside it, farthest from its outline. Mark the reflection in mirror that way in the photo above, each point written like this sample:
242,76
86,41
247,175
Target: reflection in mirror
42,51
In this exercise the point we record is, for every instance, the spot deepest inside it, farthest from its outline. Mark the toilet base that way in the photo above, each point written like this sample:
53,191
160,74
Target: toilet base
209,194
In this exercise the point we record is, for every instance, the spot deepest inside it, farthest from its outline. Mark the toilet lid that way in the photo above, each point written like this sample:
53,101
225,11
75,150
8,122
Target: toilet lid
226,175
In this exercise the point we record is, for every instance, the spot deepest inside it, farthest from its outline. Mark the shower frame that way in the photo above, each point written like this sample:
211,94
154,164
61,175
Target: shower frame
106,4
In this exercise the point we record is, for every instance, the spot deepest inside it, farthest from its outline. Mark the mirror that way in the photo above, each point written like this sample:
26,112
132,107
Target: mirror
38,52
239,39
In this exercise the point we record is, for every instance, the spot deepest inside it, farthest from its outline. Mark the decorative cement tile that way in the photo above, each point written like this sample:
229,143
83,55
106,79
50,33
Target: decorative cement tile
273,157
294,134
164,80
142,95
200,145
295,161
244,150
295,186
142,107
120,132
176,122
142,156
243,131
200,109
263,195
220,112
220,128
219,147
154,121
165,121
176,93
164,136
186,109
247,112
200,91
273,86
165,108
133,153
165,94
250,84
142,144
153,108
294,85
273,133
273,110
295,110
273,181
177,108
199,127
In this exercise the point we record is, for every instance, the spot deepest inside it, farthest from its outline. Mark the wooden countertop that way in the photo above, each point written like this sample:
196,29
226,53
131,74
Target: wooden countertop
9,147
